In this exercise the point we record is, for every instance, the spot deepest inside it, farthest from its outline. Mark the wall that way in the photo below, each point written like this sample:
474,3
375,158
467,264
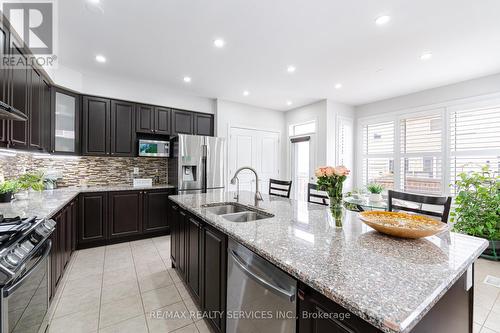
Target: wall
471,88
93,170
126,89
232,114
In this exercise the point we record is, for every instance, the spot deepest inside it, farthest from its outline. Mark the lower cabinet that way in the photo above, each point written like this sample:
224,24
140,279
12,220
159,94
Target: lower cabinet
199,254
63,243
112,217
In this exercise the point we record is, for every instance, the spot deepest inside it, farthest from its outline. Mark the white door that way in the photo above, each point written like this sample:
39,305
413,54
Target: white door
257,149
303,158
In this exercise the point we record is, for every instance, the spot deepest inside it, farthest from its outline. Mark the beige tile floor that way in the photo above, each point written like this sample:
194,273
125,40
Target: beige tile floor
115,288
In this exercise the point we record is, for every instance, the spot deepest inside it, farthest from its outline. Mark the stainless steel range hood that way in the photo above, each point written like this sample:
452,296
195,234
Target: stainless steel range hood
10,113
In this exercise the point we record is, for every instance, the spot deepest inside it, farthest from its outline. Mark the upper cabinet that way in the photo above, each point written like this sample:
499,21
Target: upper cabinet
122,129
65,122
96,115
37,111
153,119
19,100
182,122
4,86
203,124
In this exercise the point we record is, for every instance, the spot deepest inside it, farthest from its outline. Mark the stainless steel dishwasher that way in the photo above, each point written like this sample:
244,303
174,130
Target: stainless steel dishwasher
260,297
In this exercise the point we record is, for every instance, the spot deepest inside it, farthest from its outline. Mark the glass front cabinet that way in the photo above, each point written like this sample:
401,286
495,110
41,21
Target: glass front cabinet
65,122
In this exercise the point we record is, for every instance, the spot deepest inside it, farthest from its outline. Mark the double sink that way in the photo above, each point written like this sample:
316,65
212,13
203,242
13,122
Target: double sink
235,212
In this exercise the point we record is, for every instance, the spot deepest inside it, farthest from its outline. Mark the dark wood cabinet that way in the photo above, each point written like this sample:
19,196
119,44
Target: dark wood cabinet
162,121
4,86
193,236
155,210
93,219
95,126
125,214
64,135
37,111
122,129
173,216
203,124
145,118
19,100
182,122
181,235
214,277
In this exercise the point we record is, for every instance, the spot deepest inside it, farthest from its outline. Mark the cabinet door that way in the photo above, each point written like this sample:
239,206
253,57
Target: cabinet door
122,129
214,260
181,253
36,110
74,220
46,115
96,126
193,232
93,219
182,122
125,213
4,85
174,236
203,124
156,211
65,122
53,258
145,119
61,236
69,232
162,121
19,100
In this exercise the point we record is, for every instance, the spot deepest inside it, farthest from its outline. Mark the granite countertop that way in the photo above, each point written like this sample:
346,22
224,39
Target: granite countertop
48,203
390,282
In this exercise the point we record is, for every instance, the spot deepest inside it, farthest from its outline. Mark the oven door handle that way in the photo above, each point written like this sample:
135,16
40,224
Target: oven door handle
16,285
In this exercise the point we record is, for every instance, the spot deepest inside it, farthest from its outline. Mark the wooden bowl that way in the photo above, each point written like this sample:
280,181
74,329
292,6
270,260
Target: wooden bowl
402,224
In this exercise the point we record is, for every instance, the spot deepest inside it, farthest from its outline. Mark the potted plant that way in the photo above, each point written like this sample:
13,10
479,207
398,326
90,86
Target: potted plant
30,181
477,210
375,192
331,180
7,189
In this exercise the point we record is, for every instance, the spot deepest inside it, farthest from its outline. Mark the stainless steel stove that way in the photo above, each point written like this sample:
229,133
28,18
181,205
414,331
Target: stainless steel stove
24,273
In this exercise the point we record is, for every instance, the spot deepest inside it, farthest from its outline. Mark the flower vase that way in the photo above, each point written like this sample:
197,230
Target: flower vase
337,213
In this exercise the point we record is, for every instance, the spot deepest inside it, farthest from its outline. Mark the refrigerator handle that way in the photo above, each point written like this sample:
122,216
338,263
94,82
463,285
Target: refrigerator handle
204,169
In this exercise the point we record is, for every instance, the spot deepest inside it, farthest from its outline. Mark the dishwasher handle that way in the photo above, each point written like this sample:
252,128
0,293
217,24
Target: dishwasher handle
278,290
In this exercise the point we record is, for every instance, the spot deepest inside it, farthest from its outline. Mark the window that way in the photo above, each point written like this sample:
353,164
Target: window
421,154
474,140
301,129
378,154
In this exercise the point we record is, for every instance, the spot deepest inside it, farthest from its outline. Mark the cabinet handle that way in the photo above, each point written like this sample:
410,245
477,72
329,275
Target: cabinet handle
301,294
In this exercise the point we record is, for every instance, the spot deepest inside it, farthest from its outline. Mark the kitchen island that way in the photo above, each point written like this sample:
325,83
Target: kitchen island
390,284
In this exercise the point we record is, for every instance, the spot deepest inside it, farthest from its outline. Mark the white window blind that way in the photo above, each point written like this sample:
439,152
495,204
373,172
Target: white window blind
421,154
378,154
474,140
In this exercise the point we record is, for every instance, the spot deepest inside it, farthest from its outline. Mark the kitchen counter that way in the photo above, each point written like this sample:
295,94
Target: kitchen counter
48,203
389,282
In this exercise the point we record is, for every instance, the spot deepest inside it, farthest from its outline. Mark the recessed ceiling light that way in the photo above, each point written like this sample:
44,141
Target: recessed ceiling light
290,69
187,79
289,103
381,20
219,43
338,86
246,93
426,56
100,58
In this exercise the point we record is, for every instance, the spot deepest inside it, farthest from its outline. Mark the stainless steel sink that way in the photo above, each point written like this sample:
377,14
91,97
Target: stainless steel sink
225,208
235,212
246,216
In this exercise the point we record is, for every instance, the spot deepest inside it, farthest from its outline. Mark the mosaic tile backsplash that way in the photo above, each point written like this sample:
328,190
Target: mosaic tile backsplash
77,170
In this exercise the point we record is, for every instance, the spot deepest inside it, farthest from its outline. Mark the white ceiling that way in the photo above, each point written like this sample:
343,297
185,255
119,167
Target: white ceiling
328,41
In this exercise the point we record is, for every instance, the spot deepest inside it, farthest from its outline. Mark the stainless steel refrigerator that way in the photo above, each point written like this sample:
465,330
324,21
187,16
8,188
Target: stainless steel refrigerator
197,163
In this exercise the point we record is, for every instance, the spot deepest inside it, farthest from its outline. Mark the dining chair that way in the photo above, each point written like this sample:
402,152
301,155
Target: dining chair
316,196
421,200
280,188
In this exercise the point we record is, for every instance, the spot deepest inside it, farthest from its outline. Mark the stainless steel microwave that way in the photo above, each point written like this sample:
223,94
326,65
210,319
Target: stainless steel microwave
154,148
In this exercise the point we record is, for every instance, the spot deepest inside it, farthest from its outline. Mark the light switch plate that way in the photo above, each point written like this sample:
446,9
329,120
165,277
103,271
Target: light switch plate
136,170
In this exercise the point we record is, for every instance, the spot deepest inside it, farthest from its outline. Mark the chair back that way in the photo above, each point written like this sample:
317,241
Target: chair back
316,196
280,188
421,200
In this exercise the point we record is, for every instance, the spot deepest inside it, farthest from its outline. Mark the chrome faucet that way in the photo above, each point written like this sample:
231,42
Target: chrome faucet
235,180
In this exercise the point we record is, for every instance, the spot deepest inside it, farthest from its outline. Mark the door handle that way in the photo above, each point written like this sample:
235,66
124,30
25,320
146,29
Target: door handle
278,290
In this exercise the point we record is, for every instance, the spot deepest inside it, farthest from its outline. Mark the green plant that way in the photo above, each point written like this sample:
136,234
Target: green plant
477,211
9,186
375,188
31,180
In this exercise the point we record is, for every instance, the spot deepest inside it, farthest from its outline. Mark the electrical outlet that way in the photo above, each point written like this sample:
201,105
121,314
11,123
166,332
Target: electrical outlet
136,171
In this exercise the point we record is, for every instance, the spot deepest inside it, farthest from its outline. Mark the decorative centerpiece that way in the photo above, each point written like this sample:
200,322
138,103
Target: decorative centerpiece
331,180
375,192
7,189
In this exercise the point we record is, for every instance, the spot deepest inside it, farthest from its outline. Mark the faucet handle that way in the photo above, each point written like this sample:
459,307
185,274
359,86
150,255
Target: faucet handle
258,196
